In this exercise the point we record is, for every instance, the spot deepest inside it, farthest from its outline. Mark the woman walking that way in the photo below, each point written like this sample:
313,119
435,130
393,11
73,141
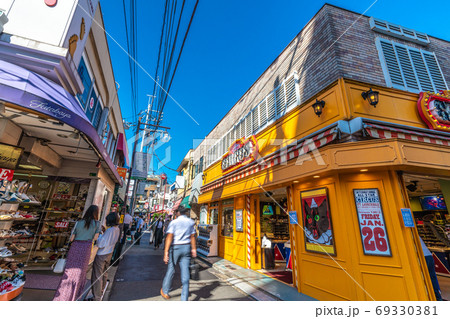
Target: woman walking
159,227
74,278
105,244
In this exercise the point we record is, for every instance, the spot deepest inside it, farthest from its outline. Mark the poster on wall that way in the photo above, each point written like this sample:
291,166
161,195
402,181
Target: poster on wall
319,237
372,227
239,221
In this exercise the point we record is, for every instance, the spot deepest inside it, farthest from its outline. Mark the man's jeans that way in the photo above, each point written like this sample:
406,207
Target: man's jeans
178,254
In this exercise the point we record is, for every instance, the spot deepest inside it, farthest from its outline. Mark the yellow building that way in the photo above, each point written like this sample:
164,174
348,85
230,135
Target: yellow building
329,173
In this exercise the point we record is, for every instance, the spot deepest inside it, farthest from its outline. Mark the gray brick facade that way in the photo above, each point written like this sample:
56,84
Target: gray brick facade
335,43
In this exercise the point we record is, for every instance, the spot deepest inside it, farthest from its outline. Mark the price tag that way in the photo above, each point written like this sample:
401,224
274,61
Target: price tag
61,224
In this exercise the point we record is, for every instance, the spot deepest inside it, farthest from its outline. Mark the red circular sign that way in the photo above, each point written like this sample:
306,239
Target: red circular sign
163,176
91,103
50,3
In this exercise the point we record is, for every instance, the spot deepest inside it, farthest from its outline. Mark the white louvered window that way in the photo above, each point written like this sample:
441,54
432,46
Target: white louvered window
242,129
398,31
280,100
248,125
263,113
291,92
255,120
271,112
410,69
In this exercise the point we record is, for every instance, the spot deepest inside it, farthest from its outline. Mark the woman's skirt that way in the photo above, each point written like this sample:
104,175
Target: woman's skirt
74,278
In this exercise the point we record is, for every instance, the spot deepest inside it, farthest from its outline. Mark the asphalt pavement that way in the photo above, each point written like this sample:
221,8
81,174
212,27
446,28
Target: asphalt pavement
141,271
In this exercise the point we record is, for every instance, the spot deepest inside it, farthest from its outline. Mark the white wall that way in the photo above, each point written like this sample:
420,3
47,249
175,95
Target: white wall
34,20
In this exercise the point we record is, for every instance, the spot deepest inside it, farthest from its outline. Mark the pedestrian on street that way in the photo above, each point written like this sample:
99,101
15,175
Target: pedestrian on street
139,227
127,221
105,243
159,227
85,232
152,224
180,246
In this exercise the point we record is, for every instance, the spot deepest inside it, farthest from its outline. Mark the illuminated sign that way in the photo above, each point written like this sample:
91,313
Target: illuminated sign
240,153
434,109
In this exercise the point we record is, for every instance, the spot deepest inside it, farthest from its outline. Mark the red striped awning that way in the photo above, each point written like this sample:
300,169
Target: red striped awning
386,132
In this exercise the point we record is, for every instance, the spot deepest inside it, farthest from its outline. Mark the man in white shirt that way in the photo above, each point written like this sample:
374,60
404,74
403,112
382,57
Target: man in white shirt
105,243
179,247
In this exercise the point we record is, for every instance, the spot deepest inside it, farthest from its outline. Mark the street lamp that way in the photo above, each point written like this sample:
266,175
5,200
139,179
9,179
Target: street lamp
371,96
318,107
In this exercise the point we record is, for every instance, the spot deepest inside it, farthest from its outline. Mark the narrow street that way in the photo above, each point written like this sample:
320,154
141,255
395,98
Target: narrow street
141,271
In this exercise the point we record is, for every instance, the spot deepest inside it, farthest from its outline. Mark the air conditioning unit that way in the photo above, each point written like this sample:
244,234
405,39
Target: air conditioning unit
3,19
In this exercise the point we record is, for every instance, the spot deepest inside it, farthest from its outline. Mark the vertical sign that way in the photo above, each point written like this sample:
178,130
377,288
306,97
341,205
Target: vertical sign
374,235
293,218
408,220
239,221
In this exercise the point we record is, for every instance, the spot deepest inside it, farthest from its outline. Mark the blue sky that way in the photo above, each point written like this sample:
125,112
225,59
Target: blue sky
229,45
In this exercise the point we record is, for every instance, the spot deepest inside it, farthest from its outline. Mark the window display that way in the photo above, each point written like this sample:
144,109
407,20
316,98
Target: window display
227,222
274,220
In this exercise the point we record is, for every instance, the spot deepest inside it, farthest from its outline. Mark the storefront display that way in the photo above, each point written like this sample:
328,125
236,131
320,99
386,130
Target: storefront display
317,222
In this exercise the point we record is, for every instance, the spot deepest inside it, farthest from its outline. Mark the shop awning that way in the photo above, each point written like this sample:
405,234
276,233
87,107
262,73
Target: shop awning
122,147
185,202
195,190
176,205
386,132
38,94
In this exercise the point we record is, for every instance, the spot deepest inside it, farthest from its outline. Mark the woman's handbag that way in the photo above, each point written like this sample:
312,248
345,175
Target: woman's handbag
59,266
93,254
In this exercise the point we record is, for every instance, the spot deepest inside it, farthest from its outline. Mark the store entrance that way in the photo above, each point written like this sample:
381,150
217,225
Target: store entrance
427,197
274,234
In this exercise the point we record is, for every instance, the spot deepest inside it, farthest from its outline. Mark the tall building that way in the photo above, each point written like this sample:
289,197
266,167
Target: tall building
61,132
339,155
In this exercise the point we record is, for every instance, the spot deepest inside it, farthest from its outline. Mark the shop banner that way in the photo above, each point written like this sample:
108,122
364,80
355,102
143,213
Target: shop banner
239,221
6,174
140,165
318,229
374,235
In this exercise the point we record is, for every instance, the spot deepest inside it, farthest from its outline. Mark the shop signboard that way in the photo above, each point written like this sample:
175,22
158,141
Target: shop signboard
239,221
9,156
434,109
6,174
240,153
318,229
293,218
374,235
61,224
122,172
408,220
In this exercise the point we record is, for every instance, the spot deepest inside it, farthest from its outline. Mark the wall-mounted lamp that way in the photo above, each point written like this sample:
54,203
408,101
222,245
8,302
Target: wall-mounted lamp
318,107
371,96
99,163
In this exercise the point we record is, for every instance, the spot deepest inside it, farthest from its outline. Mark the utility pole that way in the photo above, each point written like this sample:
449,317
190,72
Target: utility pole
138,129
